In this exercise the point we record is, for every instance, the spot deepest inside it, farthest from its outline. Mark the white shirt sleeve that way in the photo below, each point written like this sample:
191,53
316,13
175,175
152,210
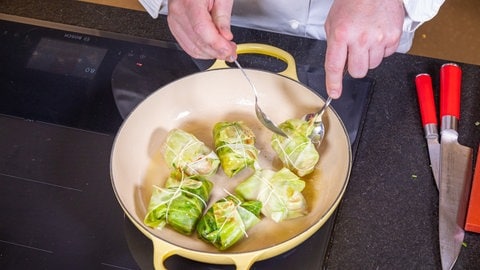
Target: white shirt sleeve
308,17
419,11
154,7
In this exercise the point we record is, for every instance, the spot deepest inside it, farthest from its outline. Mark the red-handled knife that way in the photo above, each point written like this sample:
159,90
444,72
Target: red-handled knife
455,168
426,101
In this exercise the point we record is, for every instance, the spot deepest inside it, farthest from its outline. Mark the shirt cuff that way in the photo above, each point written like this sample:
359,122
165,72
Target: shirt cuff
419,11
154,7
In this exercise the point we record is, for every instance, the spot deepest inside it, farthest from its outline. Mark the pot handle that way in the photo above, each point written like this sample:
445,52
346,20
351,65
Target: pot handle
163,250
245,261
259,48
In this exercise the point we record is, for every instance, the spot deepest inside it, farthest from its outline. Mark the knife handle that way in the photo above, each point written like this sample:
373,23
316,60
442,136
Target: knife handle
426,101
450,85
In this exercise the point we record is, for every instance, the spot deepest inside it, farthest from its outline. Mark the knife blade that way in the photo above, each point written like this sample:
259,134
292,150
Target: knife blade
428,114
455,168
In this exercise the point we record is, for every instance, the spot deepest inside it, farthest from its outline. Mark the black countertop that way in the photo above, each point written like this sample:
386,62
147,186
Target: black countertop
388,218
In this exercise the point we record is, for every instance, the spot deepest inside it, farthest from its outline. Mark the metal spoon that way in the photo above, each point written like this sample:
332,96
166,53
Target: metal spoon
262,117
318,131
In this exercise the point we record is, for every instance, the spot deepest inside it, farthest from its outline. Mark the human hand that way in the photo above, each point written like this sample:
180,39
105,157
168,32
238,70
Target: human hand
202,27
359,35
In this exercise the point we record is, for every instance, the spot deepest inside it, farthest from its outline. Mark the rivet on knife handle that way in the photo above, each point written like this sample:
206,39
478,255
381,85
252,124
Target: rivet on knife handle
450,85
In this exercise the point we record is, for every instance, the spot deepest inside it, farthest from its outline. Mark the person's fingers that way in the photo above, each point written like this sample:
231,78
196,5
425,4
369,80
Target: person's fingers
390,49
358,59
207,37
375,55
221,16
335,58
382,49
192,45
182,29
203,46
392,41
196,31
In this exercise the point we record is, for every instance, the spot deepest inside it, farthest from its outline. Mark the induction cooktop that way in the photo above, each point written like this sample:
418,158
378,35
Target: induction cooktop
64,92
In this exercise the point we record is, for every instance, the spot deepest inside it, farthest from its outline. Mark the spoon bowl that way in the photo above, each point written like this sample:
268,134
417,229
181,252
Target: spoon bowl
318,131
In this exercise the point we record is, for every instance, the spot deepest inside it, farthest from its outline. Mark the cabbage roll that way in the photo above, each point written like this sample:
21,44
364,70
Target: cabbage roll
235,146
280,193
297,152
227,221
179,204
185,154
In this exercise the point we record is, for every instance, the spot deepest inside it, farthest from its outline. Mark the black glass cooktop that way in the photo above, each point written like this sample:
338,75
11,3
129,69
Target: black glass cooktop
64,92
63,75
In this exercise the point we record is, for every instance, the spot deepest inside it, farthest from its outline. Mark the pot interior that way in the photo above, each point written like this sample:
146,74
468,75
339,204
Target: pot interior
195,103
